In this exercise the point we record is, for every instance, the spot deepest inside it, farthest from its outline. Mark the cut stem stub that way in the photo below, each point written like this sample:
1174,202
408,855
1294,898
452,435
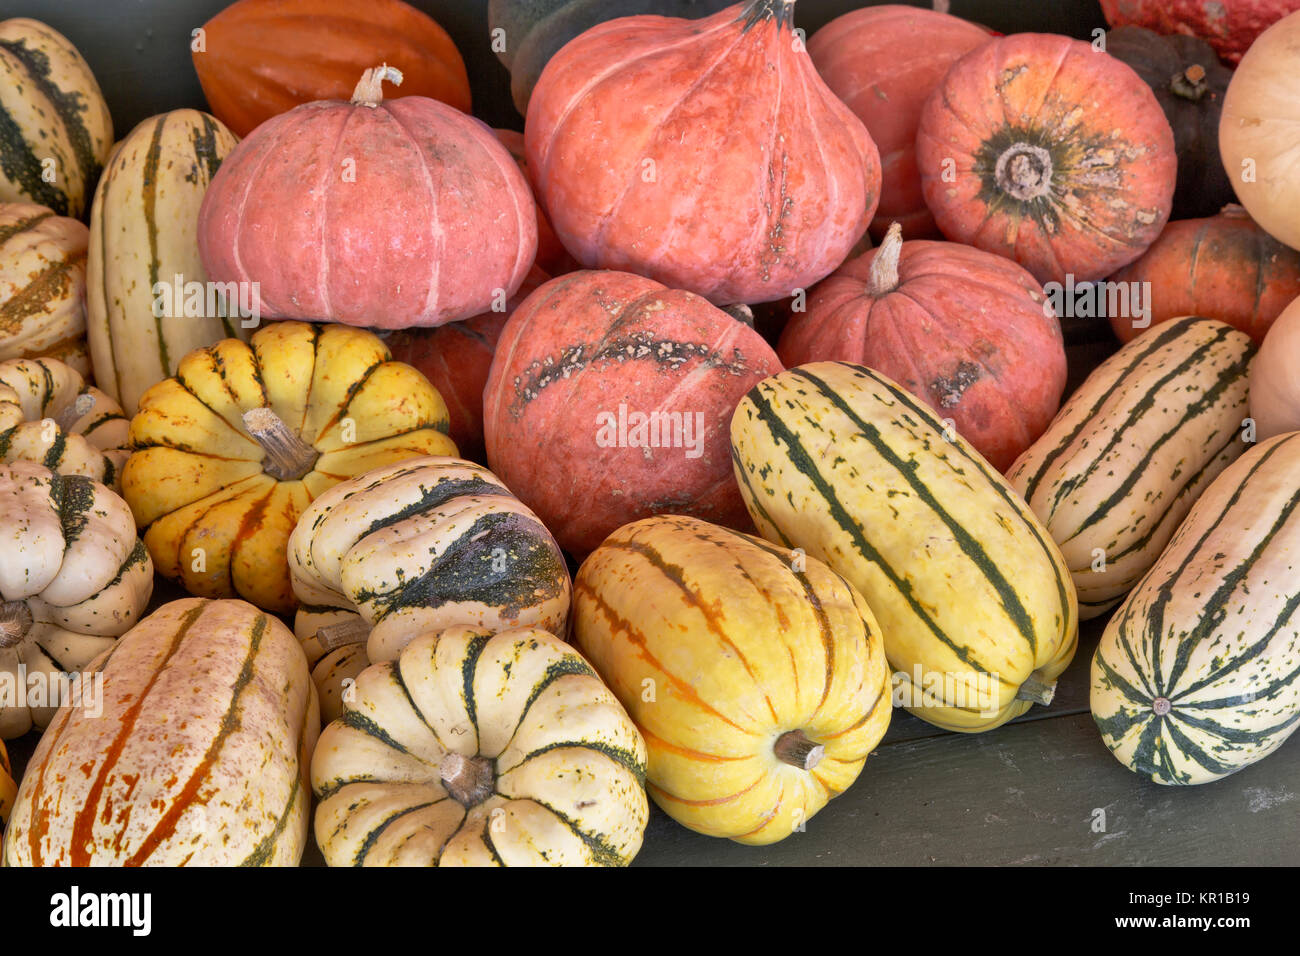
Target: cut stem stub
1024,171
798,751
15,622
1036,691
884,267
288,457
469,780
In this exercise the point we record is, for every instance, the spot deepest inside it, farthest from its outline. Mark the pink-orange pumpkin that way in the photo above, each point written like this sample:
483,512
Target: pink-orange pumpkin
1046,151
456,358
552,257
968,332
706,154
610,399
1230,26
382,214
883,62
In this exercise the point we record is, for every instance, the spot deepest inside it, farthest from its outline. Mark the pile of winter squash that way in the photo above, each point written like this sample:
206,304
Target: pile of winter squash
369,379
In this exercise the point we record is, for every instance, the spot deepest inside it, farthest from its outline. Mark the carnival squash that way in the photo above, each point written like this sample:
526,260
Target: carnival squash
48,414
380,214
973,596
1196,675
73,576
474,749
1224,267
1188,81
42,285
1230,26
756,675
1041,149
260,58
196,754
608,400
966,331
334,640
55,129
704,154
1117,470
1275,377
1260,131
424,544
228,453
148,300
883,62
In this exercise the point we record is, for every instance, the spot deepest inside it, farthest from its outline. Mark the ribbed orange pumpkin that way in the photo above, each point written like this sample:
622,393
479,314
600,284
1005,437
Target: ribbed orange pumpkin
1043,150
610,399
966,331
705,154
371,213
456,358
1224,267
883,62
261,58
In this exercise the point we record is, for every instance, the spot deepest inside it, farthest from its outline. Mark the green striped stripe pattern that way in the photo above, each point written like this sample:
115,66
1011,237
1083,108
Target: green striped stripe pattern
567,766
1125,459
1198,672
967,585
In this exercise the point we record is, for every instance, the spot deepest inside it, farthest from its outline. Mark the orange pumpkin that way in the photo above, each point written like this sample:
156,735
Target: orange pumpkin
857,55
260,58
1043,150
1224,267
552,257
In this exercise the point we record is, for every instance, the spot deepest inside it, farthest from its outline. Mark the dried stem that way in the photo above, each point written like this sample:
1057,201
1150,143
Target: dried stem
370,88
288,457
798,751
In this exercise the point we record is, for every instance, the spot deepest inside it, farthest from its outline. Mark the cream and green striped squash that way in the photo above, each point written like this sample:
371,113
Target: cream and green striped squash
1127,456
142,237
1198,672
972,595
42,285
55,129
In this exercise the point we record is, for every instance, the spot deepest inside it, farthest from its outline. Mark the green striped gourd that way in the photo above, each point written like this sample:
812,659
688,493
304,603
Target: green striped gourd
48,414
55,129
42,285
1198,672
195,752
142,233
973,597
1127,456
474,749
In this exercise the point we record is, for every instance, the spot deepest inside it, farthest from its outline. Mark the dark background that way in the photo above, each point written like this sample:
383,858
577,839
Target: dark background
139,50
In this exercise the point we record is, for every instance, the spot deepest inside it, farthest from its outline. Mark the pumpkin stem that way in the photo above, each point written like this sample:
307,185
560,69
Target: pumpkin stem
741,313
288,457
469,780
75,411
798,751
782,11
884,267
15,622
352,631
1024,171
1036,691
1234,211
370,89
1190,83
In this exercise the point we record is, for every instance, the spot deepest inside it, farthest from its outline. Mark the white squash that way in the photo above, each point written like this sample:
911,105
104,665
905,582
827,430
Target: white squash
1275,377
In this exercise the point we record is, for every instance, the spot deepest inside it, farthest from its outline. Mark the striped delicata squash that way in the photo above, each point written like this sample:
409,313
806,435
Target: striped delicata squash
973,596
195,752
1198,673
228,453
73,576
48,414
42,285
756,675
55,128
473,749
1127,456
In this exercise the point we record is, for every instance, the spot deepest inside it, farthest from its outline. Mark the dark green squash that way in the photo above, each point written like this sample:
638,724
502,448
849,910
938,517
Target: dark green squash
1189,82
534,30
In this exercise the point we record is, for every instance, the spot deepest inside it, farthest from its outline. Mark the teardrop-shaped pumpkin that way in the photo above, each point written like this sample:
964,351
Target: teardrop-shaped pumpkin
370,213
1043,150
861,57
261,58
704,154
968,332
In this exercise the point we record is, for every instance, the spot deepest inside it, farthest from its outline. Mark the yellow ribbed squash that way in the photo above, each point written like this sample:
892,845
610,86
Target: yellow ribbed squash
756,676
229,453
975,600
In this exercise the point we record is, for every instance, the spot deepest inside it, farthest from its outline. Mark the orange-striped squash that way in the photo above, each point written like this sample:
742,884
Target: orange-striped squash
190,745
756,675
